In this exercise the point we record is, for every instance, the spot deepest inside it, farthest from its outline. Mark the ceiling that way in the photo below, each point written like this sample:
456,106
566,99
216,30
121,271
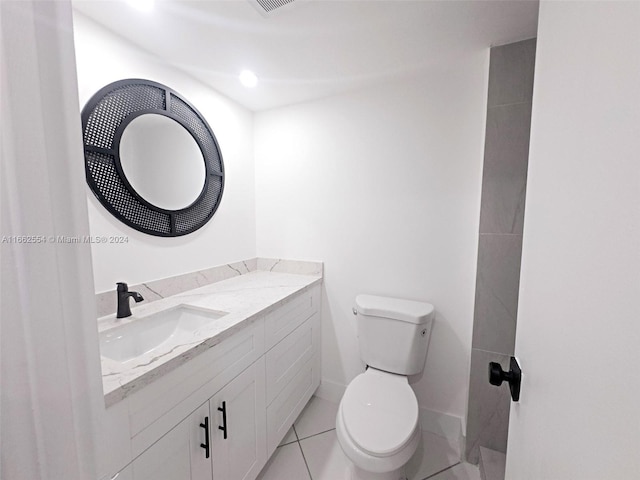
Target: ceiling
312,48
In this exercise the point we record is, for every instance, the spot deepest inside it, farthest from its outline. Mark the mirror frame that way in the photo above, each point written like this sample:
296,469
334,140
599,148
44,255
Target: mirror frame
105,118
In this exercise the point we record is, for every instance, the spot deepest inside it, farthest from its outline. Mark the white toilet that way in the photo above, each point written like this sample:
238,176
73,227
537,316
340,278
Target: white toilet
377,422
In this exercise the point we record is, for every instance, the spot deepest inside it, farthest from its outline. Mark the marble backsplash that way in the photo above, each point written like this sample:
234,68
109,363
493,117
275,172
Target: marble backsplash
106,302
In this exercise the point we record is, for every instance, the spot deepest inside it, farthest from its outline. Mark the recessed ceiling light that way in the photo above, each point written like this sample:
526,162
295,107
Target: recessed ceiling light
142,5
248,78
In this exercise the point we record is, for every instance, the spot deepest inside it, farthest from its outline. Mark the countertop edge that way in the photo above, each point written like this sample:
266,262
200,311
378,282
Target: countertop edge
135,384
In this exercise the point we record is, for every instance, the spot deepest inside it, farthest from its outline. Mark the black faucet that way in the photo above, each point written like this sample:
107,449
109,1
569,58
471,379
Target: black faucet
124,310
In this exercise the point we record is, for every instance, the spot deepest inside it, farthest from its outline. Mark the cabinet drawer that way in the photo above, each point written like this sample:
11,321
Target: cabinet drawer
286,359
164,403
282,321
286,407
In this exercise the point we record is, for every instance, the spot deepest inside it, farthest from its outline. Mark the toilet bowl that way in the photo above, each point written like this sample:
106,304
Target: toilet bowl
377,421
377,425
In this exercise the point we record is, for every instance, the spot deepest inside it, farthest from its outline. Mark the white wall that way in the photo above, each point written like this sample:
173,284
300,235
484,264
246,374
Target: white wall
383,185
102,57
578,338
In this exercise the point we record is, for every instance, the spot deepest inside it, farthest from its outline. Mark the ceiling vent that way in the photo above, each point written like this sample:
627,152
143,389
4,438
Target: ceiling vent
266,7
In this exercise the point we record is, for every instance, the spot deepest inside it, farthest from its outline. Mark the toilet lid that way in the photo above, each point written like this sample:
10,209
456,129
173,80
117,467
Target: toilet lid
380,412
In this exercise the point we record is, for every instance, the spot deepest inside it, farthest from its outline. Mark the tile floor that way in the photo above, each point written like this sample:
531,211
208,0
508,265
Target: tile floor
310,451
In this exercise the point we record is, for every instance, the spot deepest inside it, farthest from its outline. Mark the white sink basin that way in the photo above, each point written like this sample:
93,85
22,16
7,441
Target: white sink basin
159,332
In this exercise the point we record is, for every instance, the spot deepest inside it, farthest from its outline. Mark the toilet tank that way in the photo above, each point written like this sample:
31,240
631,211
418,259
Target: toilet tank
393,334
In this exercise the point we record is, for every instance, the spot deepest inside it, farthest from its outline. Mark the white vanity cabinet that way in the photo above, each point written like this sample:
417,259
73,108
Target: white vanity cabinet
258,380
177,455
198,446
293,374
239,408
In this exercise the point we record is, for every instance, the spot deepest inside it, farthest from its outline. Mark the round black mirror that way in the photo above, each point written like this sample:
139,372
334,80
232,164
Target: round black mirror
151,159
162,161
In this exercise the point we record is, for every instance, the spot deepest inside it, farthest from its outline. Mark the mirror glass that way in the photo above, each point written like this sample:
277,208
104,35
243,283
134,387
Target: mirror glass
162,161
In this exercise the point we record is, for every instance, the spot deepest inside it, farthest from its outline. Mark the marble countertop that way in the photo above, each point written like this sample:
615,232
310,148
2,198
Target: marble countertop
246,298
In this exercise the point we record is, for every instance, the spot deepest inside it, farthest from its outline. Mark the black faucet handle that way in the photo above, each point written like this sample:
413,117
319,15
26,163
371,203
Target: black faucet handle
136,296
124,310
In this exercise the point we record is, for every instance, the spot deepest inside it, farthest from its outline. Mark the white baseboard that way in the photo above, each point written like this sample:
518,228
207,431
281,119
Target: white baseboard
442,424
331,391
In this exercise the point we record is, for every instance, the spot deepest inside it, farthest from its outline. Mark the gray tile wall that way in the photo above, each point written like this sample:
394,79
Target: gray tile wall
504,181
497,282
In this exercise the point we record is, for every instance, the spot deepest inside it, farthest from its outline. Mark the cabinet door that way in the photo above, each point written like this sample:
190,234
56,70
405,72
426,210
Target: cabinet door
242,404
177,455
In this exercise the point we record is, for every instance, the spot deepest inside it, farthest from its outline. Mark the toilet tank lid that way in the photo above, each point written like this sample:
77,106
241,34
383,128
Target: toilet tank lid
395,308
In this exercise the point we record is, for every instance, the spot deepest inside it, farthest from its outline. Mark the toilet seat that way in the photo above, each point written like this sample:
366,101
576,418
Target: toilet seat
380,412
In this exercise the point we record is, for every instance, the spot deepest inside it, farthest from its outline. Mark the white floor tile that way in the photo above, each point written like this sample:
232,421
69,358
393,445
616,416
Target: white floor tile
287,463
325,457
492,464
289,437
318,416
462,471
434,454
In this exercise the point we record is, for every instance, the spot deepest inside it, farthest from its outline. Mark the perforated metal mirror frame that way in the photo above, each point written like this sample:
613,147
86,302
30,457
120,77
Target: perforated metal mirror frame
104,119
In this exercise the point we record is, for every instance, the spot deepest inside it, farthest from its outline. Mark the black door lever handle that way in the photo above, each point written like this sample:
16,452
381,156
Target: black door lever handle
513,377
